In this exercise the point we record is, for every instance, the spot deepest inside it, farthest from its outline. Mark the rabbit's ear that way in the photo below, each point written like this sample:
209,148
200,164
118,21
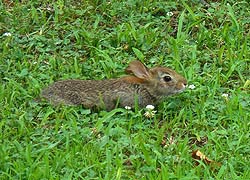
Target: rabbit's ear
138,69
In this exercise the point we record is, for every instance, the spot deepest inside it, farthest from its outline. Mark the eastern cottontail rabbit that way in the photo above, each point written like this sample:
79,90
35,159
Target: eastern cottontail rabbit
144,85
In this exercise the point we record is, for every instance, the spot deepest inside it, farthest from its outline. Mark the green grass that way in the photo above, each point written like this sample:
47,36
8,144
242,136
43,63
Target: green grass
209,45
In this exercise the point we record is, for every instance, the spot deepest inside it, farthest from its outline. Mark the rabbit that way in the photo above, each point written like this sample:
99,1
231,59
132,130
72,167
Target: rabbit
144,86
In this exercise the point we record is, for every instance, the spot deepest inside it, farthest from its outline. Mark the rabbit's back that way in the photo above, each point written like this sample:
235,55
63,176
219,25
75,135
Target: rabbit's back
101,94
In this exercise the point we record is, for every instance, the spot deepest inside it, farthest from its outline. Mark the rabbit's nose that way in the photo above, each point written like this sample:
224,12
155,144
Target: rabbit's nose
184,85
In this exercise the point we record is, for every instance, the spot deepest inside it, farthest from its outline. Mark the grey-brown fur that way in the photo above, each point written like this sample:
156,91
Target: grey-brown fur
146,86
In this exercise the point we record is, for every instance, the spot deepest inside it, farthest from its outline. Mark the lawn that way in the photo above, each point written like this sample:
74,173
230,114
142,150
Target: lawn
45,41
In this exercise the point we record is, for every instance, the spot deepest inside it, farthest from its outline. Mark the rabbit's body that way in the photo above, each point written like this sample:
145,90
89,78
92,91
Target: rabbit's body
147,86
101,94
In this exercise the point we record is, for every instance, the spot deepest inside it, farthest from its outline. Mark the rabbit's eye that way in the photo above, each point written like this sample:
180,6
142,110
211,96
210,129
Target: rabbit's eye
167,78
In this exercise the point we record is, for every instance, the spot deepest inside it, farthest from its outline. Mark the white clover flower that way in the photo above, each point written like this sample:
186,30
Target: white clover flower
225,95
149,111
170,13
127,107
191,86
150,107
149,114
7,34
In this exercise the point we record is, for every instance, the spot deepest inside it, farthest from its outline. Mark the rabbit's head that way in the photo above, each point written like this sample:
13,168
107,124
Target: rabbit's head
160,81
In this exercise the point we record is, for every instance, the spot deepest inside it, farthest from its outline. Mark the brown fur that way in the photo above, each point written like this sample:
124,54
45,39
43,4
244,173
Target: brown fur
147,86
